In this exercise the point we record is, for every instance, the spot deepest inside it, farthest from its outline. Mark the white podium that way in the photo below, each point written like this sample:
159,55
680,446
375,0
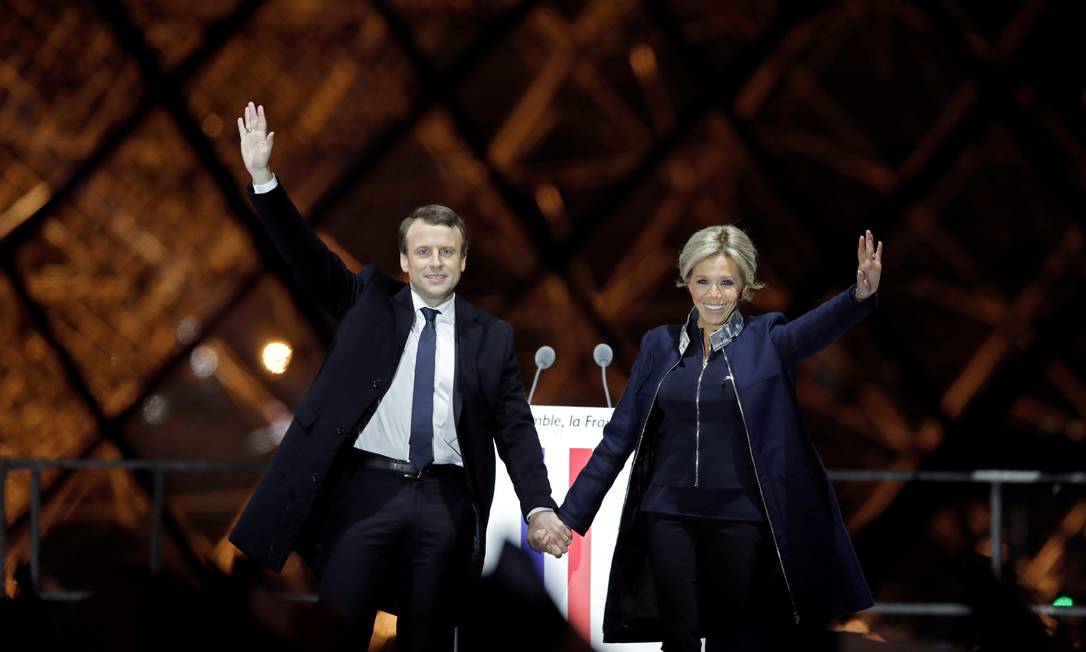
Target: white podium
578,581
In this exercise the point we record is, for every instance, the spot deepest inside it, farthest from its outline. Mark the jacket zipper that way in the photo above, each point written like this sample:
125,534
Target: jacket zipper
761,493
644,425
697,422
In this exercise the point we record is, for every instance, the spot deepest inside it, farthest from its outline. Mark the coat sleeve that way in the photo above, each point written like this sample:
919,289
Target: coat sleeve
318,271
515,436
818,328
620,437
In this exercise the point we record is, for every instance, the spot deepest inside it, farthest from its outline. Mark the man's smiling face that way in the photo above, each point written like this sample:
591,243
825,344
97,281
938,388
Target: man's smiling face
434,260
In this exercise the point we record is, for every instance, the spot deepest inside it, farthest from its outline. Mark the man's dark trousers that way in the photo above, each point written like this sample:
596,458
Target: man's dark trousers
289,509
390,530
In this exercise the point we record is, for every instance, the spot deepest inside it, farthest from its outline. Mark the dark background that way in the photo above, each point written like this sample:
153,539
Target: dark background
583,142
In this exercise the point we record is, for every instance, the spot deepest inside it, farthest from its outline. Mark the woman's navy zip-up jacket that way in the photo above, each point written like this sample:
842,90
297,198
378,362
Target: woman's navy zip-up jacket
819,572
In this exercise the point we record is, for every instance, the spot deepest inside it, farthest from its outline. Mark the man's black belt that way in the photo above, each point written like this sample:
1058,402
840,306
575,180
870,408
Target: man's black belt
404,469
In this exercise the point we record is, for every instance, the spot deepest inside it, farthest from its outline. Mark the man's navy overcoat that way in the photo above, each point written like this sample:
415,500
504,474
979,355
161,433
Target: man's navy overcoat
374,314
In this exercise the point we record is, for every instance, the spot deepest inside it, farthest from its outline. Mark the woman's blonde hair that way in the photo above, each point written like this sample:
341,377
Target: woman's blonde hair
725,239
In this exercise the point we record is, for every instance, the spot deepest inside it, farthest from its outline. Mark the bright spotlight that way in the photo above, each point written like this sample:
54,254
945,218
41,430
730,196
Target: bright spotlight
203,361
277,356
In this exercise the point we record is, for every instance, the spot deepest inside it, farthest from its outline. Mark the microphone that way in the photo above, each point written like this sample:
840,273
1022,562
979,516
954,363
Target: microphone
544,358
603,355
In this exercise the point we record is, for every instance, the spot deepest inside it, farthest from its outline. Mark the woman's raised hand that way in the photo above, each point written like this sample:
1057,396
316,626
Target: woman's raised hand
869,270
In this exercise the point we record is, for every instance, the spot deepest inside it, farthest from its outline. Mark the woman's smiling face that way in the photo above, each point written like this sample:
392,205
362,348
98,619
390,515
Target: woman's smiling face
715,287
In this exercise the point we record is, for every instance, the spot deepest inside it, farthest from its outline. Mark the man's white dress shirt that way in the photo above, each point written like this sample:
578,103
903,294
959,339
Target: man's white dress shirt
388,432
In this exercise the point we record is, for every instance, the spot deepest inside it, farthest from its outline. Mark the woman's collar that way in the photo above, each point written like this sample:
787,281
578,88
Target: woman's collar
719,338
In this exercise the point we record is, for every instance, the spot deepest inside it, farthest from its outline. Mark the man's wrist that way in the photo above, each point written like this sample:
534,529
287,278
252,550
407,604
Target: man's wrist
270,185
261,176
538,510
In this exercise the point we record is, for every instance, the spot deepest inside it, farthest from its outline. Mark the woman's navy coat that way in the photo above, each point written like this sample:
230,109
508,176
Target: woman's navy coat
822,576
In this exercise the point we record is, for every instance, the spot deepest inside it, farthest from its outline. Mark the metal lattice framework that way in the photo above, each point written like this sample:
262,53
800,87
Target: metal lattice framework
584,141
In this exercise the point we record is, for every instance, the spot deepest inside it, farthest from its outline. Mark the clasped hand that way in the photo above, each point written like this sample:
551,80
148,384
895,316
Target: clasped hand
547,533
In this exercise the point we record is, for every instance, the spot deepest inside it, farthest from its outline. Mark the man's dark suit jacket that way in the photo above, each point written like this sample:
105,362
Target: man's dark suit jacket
374,312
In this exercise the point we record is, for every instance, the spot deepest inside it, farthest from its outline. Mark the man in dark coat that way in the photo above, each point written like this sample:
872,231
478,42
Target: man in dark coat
385,478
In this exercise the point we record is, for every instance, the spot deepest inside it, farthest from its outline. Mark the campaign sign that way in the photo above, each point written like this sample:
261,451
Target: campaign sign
578,581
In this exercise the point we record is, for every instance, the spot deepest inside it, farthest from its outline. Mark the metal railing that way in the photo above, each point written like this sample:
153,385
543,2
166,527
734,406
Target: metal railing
158,470
995,479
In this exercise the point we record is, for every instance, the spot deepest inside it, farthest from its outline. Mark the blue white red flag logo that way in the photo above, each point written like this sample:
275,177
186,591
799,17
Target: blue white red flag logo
578,581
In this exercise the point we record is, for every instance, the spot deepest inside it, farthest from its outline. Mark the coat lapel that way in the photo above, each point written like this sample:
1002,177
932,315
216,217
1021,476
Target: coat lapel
403,312
469,334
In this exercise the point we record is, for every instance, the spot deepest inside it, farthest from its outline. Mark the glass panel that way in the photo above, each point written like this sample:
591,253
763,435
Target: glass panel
141,253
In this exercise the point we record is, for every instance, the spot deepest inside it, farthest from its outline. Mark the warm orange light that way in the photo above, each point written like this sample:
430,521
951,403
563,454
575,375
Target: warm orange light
276,356
643,60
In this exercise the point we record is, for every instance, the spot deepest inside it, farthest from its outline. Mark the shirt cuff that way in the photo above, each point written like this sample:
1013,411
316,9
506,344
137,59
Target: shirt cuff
536,511
261,188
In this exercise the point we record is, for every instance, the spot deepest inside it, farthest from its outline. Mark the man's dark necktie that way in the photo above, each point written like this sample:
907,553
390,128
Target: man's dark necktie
422,403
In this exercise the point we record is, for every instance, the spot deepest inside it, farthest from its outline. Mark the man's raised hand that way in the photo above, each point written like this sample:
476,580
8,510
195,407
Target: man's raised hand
256,142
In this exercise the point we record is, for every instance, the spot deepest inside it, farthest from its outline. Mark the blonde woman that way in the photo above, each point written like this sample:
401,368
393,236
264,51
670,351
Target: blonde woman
730,523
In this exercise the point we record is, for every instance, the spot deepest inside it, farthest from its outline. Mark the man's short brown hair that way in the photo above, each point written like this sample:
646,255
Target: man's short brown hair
434,214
